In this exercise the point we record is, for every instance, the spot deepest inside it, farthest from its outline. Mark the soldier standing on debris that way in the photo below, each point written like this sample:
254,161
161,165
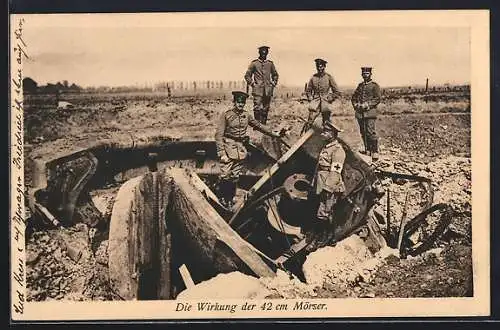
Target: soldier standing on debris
263,77
321,91
365,100
230,138
328,181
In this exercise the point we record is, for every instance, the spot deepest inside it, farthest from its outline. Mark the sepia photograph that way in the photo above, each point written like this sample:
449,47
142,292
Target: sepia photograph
258,164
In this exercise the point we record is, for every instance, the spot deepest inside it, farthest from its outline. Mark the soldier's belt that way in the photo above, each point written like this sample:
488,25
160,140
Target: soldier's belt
236,138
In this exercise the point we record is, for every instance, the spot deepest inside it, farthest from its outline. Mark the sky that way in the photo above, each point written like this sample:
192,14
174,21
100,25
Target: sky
136,49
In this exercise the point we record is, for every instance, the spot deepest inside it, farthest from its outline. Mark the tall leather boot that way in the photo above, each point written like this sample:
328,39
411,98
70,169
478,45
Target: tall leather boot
325,116
231,192
256,115
223,191
374,149
263,118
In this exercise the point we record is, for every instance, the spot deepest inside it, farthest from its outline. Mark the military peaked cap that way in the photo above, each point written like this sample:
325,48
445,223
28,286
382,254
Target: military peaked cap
264,47
320,61
237,95
366,69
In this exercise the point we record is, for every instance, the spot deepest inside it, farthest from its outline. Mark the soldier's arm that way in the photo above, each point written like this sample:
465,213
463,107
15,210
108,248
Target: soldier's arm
375,96
260,127
324,160
274,74
354,98
337,159
334,87
219,133
309,89
248,74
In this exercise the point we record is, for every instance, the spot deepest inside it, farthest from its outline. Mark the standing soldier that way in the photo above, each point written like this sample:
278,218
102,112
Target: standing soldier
230,138
263,77
321,91
328,180
365,100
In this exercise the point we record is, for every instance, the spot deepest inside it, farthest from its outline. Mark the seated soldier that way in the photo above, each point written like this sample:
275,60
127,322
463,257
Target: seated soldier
230,138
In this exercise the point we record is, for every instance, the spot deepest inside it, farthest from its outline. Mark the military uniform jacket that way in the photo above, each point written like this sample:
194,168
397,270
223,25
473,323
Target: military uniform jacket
232,129
368,92
322,86
263,76
330,164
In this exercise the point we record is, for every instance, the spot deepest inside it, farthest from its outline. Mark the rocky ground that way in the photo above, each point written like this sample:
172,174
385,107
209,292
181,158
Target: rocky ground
70,263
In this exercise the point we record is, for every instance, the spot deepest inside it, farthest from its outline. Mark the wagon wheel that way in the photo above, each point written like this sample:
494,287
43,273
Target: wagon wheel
421,221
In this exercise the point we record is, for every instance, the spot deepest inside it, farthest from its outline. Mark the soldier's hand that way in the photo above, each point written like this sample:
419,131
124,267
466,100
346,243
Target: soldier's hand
283,132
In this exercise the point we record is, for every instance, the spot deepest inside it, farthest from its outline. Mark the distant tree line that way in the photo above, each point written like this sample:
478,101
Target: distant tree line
30,86
172,87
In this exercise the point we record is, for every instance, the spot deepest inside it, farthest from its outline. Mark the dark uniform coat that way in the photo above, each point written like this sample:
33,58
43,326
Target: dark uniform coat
232,129
366,92
322,86
263,76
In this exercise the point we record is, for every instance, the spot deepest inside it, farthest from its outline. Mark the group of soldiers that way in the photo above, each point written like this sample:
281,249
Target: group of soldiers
321,92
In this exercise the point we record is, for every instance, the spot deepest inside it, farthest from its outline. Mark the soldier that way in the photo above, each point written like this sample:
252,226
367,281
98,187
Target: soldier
263,77
230,138
321,91
328,181
365,99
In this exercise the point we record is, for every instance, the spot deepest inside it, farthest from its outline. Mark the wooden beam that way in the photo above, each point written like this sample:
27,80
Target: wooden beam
204,227
201,186
186,276
271,171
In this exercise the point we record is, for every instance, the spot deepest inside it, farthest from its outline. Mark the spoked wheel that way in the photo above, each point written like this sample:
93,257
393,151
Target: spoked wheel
422,231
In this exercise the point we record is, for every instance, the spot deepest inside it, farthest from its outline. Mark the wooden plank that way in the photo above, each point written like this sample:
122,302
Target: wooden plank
165,237
206,226
46,213
201,186
186,276
147,225
272,170
282,160
139,242
297,247
120,231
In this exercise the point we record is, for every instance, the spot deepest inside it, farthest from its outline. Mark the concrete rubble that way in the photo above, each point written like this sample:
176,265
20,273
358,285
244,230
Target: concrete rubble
62,266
